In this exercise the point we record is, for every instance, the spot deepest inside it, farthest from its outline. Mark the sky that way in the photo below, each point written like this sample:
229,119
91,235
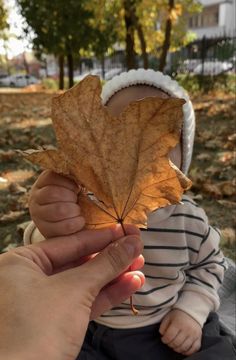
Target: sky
15,45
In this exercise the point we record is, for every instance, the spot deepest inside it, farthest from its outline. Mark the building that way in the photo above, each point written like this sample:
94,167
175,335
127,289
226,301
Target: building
216,19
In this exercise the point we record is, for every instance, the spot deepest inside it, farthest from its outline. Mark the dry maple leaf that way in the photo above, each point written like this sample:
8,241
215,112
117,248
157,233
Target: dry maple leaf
122,161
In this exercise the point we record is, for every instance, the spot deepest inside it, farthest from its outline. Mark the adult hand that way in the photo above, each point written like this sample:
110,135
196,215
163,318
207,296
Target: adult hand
50,291
53,205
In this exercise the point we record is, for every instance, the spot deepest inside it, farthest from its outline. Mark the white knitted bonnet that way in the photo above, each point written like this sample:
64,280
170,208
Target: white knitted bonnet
171,87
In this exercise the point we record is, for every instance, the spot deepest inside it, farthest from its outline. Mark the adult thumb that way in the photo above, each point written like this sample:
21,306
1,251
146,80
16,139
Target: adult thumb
113,260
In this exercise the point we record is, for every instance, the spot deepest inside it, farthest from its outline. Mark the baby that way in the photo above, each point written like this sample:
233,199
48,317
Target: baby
183,264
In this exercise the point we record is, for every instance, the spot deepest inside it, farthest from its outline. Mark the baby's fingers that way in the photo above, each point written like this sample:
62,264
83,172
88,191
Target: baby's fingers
194,348
49,177
178,340
56,211
170,334
52,193
60,228
185,346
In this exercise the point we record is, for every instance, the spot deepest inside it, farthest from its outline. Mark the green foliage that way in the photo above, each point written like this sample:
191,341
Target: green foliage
225,49
60,27
93,27
204,84
3,17
153,15
50,84
104,22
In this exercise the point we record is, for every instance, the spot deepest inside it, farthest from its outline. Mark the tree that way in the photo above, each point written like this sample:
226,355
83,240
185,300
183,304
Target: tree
129,17
54,30
105,30
150,26
167,39
3,17
4,33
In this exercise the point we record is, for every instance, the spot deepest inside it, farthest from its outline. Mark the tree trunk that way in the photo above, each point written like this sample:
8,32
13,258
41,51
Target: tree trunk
167,40
103,66
6,57
129,38
26,65
142,44
70,63
46,67
61,71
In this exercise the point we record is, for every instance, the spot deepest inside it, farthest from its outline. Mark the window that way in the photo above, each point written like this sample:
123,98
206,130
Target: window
209,17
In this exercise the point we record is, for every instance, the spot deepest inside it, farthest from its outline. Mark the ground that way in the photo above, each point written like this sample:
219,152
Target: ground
25,123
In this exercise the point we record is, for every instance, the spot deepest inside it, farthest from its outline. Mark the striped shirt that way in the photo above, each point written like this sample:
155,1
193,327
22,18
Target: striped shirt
183,268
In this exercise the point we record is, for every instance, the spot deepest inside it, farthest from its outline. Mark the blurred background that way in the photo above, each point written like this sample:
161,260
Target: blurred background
46,46
59,42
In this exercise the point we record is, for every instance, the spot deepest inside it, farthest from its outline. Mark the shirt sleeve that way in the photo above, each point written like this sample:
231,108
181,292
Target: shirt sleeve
204,275
32,234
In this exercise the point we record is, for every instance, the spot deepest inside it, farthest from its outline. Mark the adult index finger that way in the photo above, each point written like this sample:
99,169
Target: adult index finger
57,252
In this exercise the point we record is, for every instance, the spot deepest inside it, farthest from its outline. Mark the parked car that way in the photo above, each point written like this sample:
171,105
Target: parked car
213,68
18,80
189,65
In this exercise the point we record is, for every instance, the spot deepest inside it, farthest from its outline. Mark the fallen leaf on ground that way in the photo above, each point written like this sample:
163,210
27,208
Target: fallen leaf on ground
227,188
228,204
123,161
232,138
203,157
212,189
228,235
11,216
15,188
7,155
213,170
227,157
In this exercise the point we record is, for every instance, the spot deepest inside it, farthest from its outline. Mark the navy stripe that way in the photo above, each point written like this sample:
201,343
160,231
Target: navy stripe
191,283
158,305
114,315
217,230
122,315
174,231
167,264
156,247
161,277
207,263
201,281
153,312
216,276
188,216
152,290
141,307
157,310
207,257
151,306
190,202
206,236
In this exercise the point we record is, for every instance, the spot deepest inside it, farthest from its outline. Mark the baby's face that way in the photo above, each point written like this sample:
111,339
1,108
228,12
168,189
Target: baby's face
122,98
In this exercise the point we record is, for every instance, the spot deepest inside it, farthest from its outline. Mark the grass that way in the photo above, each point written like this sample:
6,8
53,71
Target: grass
25,123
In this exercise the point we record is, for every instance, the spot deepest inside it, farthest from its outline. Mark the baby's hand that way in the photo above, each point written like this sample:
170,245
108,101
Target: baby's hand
181,332
53,205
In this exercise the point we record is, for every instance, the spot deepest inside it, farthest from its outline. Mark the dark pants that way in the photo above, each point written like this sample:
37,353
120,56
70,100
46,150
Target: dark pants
103,343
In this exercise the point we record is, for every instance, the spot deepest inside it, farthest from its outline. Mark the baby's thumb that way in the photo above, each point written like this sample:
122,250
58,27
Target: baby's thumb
113,260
